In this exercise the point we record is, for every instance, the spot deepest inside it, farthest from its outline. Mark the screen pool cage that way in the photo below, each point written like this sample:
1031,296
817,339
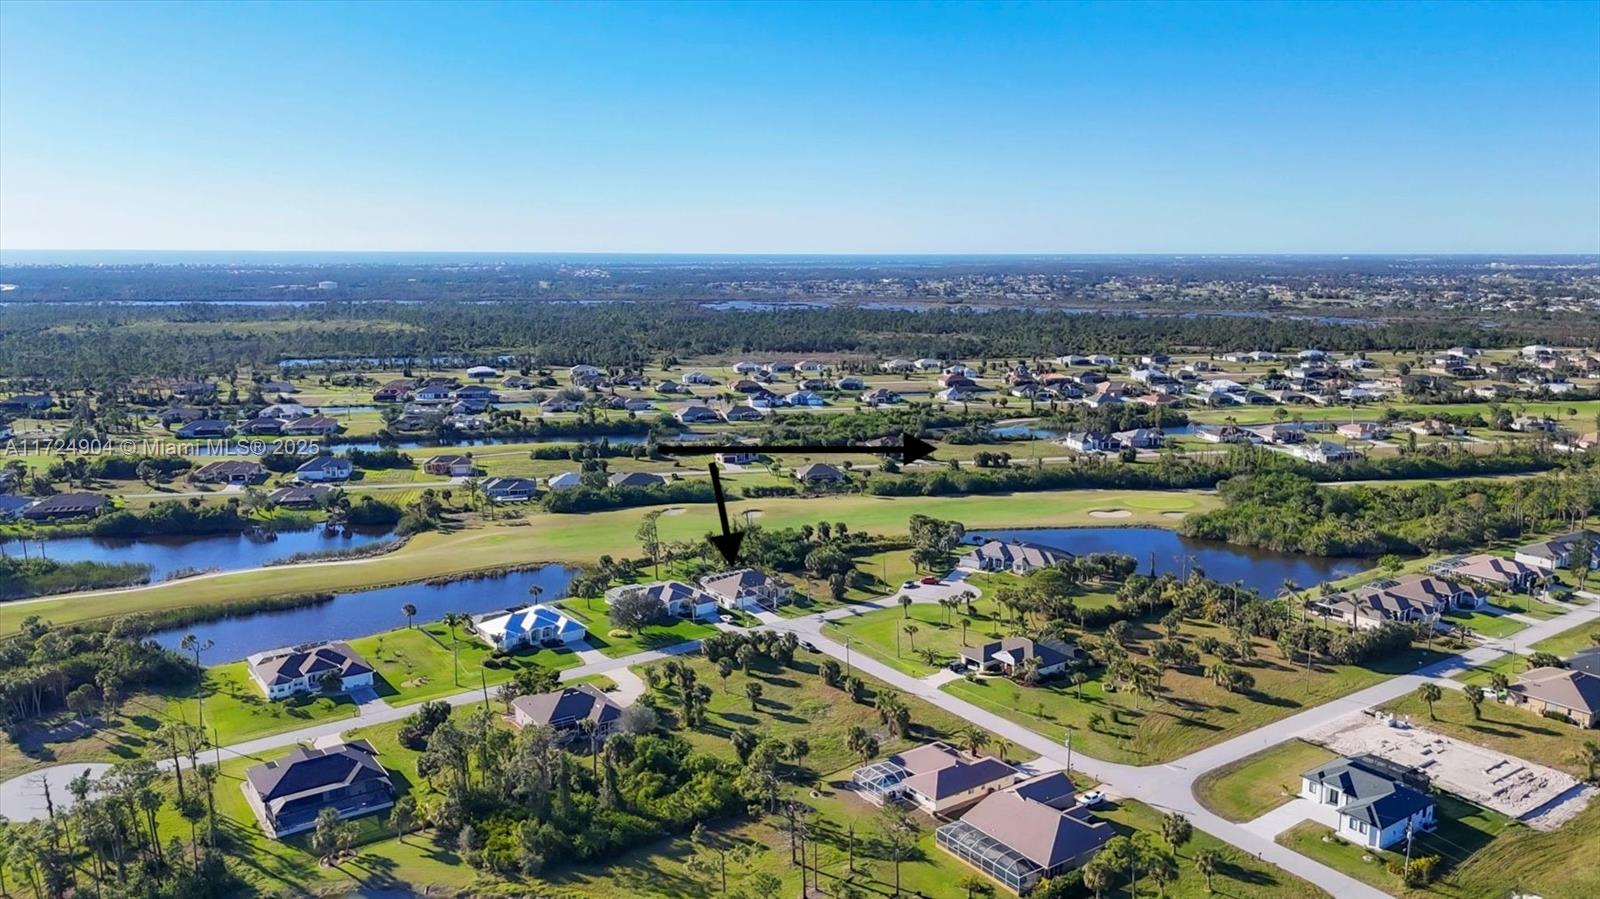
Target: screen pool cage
879,781
989,855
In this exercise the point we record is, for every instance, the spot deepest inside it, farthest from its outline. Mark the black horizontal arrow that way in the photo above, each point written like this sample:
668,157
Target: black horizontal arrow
909,450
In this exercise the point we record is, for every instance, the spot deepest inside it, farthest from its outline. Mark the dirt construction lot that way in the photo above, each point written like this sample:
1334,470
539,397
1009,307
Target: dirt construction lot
1541,797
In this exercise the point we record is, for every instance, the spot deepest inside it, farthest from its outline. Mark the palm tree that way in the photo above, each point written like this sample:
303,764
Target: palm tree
1207,861
905,605
1474,695
1176,830
1430,694
452,620
911,635
753,690
973,738
964,622
410,611
1078,678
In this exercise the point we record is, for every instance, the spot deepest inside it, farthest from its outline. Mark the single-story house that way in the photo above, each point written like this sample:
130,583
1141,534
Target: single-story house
325,468
567,480
745,589
299,497
1024,834
1575,694
314,426
26,402
1323,452
288,794
1585,660
737,457
819,473
1088,441
1016,556
883,396
680,599
452,465
1363,430
1010,654
233,471
1377,801
281,673
1491,571
1557,552
635,479
936,777
482,372
535,625
510,490
256,427
12,506
1409,598
743,413
394,391
1141,438
695,413
67,505
564,711
203,428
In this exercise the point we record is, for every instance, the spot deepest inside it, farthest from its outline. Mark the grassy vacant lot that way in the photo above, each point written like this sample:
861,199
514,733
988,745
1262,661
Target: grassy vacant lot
1503,728
1238,875
654,636
1252,786
1486,624
796,703
1571,640
584,538
1191,711
881,634
414,664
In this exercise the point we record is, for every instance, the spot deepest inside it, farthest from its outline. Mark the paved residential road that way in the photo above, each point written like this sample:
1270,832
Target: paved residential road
1168,787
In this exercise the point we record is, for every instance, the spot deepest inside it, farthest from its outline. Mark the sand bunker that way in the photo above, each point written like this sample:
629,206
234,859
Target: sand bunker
675,510
1543,798
1174,514
1110,513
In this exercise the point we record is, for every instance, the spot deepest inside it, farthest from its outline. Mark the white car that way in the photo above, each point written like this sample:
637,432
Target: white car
1092,799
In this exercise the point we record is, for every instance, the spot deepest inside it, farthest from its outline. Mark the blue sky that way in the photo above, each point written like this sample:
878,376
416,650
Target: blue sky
802,128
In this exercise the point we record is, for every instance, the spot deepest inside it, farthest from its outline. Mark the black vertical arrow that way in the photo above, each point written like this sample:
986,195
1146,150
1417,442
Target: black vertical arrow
728,541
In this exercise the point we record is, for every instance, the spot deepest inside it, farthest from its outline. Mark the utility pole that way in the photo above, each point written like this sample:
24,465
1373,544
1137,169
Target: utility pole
1069,754
483,681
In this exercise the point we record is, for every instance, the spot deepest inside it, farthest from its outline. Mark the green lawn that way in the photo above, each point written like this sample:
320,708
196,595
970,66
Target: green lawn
1238,875
414,664
536,536
1467,838
796,702
881,633
1485,624
234,705
1191,711
1571,640
1252,786
592,612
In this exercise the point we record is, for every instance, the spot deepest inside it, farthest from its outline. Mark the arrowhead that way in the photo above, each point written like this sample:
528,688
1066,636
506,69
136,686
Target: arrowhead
913,448
728,545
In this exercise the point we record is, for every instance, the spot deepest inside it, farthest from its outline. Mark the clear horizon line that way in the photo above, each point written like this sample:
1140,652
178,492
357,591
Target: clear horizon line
861,253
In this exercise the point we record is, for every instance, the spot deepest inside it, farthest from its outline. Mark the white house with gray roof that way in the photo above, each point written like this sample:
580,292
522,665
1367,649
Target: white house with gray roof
1016,556
1377,801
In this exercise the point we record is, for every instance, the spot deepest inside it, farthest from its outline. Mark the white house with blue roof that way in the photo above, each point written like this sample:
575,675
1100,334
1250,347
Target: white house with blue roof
535,625
1377,801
